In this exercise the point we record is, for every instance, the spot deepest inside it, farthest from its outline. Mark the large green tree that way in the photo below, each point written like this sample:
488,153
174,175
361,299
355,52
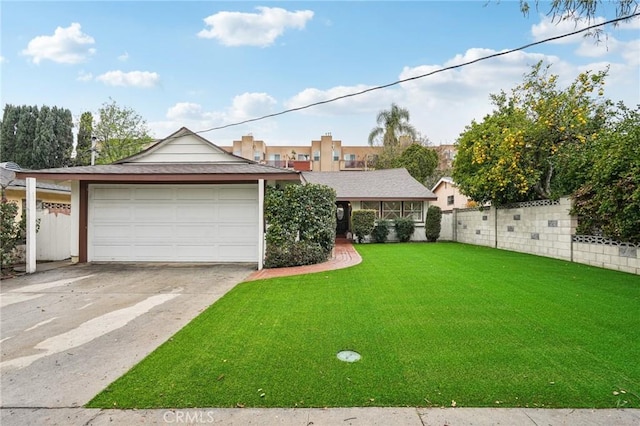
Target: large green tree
419,160
37,138
120,132
608,202
526,148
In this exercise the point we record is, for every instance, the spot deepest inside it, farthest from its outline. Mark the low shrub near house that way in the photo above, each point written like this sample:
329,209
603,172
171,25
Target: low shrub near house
10,232
432,223
363,223
301,220
297,254
380,232
404,228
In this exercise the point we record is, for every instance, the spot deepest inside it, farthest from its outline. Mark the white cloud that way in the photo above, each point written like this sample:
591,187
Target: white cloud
250,105
67,46
546,29
123,57
84,76
195,117
350,105
2,59
630,24
141,79
253,29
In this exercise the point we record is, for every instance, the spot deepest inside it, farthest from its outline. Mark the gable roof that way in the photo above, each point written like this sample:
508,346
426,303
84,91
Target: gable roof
221,167
389,184
444,179
183,141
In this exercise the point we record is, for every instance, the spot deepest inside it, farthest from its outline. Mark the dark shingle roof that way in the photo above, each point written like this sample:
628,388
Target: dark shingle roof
167,168
390,184
150,172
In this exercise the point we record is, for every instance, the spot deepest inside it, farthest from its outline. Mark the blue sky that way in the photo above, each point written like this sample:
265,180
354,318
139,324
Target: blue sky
207,64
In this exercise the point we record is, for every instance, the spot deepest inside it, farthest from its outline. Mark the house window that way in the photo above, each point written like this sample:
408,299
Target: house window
391,209
412,209
316,155
274,157
349,157
257,156
450,200
336,156
371,205
302,157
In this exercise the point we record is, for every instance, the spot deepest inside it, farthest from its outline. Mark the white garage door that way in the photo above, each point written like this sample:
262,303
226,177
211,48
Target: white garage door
173,223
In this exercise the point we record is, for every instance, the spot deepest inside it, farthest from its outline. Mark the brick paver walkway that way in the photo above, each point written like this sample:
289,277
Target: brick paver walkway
344,255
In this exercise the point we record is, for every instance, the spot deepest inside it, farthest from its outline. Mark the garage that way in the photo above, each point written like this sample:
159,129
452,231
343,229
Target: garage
183,199
173,223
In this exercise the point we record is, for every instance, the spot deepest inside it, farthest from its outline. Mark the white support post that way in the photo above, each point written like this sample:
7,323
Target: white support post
31,225
260,224
75,222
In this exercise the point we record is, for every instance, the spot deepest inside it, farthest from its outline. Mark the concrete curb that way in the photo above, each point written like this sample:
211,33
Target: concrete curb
321,416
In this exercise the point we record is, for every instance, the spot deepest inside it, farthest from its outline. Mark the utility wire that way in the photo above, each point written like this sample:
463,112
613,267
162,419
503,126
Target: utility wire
384,86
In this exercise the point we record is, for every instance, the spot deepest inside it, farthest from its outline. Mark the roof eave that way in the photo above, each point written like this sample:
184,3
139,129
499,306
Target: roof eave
164,177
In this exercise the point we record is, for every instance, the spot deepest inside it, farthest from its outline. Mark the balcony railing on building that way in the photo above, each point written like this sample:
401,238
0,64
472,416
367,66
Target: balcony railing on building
353,165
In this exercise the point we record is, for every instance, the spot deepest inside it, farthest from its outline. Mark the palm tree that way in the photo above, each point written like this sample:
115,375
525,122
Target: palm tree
392,124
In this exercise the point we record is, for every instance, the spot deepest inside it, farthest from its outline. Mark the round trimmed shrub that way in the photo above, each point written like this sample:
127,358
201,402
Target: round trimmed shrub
404,228
380,232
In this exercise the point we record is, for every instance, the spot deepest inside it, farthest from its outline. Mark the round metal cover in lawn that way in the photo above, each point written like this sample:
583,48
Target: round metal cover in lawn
348,356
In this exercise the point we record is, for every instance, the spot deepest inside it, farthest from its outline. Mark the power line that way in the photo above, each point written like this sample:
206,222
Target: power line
384,86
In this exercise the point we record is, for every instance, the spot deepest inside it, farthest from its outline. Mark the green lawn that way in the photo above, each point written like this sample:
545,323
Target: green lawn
435,323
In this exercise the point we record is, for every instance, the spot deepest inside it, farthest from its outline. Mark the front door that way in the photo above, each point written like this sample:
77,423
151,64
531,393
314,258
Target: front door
343,214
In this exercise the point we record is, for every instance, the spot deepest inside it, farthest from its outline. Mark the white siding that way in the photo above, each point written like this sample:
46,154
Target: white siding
173,223
186,149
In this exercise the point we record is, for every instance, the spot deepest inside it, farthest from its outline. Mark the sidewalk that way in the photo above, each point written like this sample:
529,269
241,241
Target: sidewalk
400,416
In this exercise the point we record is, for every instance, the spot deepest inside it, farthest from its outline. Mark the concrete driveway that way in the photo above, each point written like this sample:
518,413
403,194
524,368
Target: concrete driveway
67,333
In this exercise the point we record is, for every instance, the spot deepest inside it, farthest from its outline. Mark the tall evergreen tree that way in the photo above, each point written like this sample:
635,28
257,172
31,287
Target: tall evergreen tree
36,138
83,147
8,133
25,135
63,142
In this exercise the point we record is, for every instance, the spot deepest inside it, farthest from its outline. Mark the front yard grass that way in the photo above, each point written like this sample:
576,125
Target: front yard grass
441,324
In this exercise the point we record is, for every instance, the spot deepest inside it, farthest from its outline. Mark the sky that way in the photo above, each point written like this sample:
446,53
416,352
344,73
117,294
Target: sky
204,64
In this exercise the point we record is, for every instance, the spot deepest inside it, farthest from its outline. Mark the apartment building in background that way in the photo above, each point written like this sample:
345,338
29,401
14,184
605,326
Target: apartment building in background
323,155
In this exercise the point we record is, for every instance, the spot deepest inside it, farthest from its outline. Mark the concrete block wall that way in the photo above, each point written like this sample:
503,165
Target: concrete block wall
473,226
604,253
539,227
544,228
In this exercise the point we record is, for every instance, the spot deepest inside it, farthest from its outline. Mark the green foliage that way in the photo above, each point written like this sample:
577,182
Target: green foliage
301,219
420,161
9,232
363,223
295,254
404,227
85,132
380,232
432,223
609,202
37,138
531,145
120,133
